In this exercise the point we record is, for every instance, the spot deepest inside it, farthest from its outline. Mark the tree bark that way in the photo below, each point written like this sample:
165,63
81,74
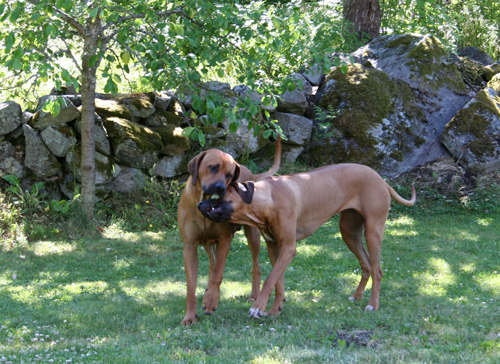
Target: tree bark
87,164
364,17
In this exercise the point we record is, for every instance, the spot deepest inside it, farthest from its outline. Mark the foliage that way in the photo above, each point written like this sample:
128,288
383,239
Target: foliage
457,23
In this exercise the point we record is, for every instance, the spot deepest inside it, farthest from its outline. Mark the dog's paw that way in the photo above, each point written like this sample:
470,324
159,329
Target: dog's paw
189,320
352,298
256,313
369,308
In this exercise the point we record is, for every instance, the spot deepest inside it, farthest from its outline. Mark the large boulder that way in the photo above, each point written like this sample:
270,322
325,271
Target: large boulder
10,117
393,105
473,135
134,145
38,158
42,120
59,139
378,121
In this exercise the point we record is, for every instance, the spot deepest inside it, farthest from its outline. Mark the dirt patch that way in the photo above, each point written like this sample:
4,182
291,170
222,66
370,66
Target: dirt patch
356,337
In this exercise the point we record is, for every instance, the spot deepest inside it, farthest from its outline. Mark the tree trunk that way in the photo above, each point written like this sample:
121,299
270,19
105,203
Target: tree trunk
364,17
87,164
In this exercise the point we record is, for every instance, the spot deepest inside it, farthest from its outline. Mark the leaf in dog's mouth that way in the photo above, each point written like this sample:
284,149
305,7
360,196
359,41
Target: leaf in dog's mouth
215,196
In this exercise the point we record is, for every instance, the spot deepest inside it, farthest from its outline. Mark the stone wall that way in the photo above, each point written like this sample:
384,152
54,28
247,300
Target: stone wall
403,103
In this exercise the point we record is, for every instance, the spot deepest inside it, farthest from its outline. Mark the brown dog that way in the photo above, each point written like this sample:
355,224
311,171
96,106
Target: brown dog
211,171
290,208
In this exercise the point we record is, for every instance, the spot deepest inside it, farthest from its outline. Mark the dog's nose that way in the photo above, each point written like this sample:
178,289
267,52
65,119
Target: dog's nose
218,189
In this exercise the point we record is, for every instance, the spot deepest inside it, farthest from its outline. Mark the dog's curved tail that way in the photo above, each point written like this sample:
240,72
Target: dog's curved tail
400,199
276,164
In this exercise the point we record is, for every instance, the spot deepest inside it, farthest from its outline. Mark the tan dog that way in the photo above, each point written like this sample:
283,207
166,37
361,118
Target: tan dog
290,208
211,171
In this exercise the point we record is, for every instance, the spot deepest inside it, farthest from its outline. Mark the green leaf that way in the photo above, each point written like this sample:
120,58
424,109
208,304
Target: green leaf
93,60
267,133
9,41
12,179
253,109
93,13
220,72
66,76
344,68
15,14
125,57
177,29
17,65
233,127
201,138
186,132
2,8
68,4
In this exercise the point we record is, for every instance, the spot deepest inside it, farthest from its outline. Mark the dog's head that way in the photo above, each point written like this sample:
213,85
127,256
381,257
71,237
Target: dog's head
220,210
214,170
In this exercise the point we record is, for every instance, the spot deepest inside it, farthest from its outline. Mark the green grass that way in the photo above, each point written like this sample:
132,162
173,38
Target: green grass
117,294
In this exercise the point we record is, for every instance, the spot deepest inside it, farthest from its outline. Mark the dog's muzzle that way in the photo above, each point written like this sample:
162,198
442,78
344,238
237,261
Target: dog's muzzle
216,210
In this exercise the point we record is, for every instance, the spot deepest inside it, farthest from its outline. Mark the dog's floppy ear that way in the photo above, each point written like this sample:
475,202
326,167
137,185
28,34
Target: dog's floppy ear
193,167
245,190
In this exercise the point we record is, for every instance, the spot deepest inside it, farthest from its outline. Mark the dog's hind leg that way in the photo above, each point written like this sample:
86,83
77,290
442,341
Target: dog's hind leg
351,227
374,232
253,237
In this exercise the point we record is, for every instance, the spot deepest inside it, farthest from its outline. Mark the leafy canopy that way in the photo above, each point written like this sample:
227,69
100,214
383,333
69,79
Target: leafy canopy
170,43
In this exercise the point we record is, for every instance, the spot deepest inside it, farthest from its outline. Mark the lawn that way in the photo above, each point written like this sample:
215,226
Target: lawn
117,295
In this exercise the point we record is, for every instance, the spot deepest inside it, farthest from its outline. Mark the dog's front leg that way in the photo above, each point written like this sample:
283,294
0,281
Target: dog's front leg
279,296
287,252
190,254
211,297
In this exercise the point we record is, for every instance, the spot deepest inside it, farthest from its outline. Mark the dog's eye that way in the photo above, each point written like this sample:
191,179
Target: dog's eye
214,169
229,176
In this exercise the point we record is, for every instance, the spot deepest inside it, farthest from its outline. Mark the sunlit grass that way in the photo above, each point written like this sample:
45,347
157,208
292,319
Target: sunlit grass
119,297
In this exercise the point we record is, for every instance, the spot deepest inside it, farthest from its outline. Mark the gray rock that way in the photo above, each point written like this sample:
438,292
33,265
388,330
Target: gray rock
128,180
7,150
42,120
243,140
294,102
134,145
10,117
103,166
314,75
102,144
476,54
297,128
11,166
59,139
473,135
38,158
163,99
169,166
